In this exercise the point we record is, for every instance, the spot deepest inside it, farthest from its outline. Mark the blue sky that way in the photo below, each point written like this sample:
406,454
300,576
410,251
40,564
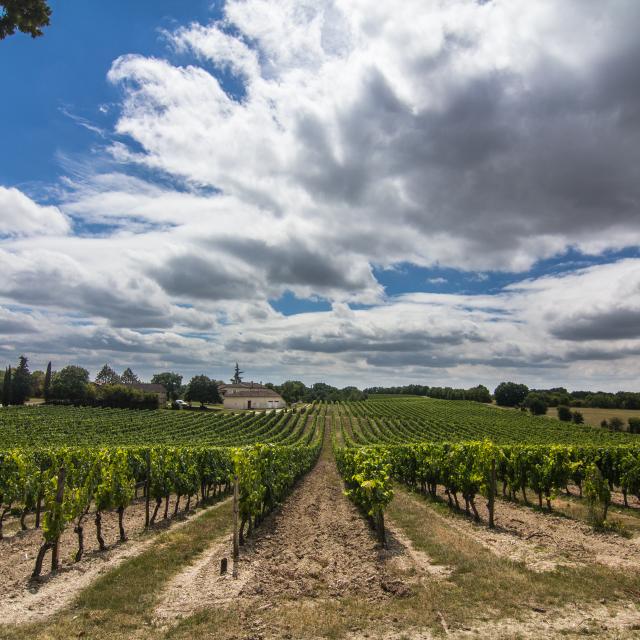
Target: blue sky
59,89
65,73
196,183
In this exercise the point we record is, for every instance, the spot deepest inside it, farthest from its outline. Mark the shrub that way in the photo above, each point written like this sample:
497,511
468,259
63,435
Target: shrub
616,424
604,424
122,397
577,417
564,413
536,404
634,425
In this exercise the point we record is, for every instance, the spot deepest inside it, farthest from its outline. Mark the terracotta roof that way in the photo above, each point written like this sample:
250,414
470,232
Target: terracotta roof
242,385
256,392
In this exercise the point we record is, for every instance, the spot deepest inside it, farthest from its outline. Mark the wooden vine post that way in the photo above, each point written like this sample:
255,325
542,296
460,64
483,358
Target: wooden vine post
236,542
380,528
147,482
492,493
55,563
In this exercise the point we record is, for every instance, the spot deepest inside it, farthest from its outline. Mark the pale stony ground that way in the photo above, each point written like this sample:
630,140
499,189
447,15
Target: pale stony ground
22,601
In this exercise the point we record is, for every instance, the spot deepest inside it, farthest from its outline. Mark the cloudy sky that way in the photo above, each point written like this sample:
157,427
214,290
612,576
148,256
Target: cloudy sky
361,192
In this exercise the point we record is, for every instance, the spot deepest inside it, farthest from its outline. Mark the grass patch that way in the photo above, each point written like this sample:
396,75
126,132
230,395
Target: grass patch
482,581
482,587
120,604
622,520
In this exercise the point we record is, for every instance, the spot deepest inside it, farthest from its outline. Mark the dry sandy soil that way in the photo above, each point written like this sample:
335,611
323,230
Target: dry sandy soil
544,541
24,601
316,547
600,621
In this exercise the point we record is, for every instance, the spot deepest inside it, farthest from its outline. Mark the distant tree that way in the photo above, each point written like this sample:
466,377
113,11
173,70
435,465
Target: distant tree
351,394
202,389
107,375
70,383
172,382
616,424
46,388
536,404
564,413
6,388
478,394
21,383
510,394
292,391
37,383
28,16
128,377
634,425
577,417
237,379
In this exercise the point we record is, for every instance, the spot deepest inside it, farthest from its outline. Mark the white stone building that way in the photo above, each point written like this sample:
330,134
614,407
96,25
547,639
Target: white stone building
250,395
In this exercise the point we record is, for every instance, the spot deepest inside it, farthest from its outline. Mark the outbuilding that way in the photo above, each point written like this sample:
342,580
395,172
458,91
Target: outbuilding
250,395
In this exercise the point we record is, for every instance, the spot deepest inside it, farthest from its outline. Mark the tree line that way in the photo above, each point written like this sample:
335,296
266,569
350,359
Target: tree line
511,394
478,393
296,391
72,385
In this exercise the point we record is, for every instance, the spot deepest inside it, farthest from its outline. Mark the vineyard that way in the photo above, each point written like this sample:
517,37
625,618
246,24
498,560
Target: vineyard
28,427
468,449
64,468
99,458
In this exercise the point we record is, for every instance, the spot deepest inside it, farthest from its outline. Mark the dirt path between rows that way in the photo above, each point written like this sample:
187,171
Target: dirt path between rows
23,602
558,623
316,547
542,540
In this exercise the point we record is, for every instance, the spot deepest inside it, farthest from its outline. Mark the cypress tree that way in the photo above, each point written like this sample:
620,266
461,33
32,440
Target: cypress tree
47,383
21,384
6,388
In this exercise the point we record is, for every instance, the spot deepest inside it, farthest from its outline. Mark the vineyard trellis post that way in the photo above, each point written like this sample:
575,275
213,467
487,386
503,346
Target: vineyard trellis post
62,474
492,493
236,542
147,483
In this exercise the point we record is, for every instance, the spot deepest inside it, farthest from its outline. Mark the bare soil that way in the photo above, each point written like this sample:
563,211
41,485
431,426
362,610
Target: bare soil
316,547
601,621
22,600
544,541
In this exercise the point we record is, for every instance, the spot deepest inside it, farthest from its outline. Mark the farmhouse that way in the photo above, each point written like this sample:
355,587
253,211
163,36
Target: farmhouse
249,395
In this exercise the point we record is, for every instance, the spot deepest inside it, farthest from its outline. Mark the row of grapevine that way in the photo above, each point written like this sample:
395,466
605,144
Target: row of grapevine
95,427
400,420
375,447
367,476
63,484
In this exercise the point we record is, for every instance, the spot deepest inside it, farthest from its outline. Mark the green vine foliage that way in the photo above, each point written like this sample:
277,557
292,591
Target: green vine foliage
427,446
367,475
